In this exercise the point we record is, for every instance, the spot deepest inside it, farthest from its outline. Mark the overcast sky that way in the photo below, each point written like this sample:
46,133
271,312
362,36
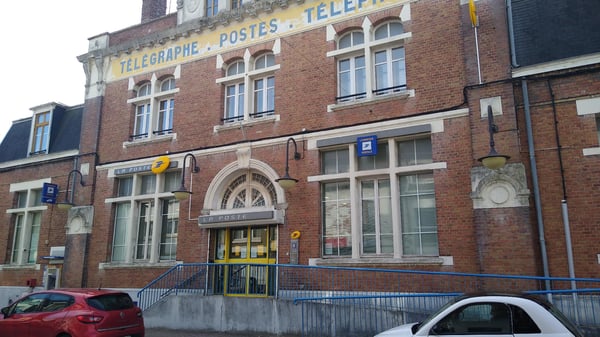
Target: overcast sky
41,40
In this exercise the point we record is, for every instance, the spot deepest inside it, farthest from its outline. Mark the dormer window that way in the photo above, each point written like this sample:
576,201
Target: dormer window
41,133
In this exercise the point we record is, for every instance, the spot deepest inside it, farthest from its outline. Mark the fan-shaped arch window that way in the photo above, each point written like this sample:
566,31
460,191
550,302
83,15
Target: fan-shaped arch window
167,84
388,29
264,61
236,68
351,39
248,190
144,90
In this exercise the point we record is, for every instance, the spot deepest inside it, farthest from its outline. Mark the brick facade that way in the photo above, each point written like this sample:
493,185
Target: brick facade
444,94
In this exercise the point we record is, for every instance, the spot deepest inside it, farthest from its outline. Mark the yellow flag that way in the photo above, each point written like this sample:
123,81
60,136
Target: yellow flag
473,13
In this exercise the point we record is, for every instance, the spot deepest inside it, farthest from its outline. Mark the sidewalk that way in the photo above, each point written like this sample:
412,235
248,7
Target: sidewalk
190,333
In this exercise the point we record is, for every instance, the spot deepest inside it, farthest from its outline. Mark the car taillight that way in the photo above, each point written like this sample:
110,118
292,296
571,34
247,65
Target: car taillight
89,318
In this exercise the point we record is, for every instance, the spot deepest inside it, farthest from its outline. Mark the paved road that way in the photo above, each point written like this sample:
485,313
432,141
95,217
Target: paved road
188,333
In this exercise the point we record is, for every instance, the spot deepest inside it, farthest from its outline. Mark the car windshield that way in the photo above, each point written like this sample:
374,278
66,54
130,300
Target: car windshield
107,302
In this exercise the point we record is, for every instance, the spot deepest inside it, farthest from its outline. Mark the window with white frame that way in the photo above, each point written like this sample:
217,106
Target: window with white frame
249,89
264,87
371,64
212,7
234,92
146,218
154,108
352,68
41,133
27,220
388,60
399,178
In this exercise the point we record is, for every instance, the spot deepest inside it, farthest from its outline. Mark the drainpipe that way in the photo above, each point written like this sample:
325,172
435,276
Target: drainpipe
564,206
536,186
511,34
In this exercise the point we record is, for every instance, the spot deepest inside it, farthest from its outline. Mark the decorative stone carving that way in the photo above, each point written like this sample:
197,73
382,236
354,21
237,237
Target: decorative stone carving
506,187
80,220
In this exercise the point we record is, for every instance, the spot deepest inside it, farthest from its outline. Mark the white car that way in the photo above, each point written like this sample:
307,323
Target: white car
491,315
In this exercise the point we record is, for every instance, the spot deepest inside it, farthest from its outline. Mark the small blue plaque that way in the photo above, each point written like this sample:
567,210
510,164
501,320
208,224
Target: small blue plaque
367,146
49,193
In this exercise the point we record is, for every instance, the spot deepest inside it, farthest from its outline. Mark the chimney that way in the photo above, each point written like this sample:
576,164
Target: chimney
153,9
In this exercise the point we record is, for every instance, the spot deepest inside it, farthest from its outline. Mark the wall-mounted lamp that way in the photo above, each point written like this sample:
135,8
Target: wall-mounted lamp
287,182
182,193
68,203
493,160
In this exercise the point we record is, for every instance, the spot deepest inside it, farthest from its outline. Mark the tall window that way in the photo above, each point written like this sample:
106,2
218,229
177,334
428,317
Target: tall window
234,93
383,73
249,89
352,68
146,218
390,69
165,107
154,108
398,179
212,7
264,88
142,112
41,133
27,217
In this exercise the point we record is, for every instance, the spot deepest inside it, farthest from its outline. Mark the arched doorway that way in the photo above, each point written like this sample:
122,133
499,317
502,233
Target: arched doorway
243,221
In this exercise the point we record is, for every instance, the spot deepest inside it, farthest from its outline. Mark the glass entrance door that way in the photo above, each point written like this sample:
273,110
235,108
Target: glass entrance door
248,252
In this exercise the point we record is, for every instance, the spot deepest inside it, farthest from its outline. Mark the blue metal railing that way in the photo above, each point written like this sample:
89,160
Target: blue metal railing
344,301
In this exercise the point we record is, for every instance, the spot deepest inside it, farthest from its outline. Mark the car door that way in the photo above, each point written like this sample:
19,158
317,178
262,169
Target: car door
51,316
476,320
21,314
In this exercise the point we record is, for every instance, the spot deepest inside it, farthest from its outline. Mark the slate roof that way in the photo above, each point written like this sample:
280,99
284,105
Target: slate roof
65,134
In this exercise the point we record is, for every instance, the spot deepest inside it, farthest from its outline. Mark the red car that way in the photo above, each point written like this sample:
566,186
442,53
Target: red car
73,313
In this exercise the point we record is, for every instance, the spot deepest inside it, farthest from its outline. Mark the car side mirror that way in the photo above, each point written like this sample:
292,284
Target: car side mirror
5,311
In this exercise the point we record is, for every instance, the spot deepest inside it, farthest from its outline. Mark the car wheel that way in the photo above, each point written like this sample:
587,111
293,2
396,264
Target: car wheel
64,335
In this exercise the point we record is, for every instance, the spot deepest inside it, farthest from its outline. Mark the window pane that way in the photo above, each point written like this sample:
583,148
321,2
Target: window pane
36,197
172,181
368,217
337,238
168,236
168,84
120,232
379,161
396,28
144,90
415,152
418,215
22,199
125,186
144,230
336,161
398,66
34,236
165,114
148,184
345,41
17,243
